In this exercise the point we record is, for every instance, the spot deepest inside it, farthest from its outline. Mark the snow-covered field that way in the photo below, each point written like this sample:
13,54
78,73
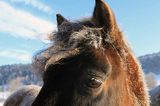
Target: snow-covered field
1,103
3,96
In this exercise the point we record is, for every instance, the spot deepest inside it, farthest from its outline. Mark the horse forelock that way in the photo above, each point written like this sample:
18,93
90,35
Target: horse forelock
74,37
77,35
70,37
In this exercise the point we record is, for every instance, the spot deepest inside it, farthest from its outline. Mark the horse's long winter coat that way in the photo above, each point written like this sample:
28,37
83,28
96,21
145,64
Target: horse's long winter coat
90,64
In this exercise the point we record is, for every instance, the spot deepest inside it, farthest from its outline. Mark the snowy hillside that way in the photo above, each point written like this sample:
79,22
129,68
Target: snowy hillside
3,96
151,63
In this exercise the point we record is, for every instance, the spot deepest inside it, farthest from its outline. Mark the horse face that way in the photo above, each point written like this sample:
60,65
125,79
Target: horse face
78,80
77,74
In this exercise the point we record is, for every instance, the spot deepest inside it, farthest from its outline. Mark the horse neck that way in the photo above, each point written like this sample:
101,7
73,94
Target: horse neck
120,89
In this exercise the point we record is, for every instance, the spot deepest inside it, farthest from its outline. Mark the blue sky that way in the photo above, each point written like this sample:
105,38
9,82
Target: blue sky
24,24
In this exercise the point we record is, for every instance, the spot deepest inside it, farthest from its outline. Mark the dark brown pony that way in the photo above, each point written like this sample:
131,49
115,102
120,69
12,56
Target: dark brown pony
90,64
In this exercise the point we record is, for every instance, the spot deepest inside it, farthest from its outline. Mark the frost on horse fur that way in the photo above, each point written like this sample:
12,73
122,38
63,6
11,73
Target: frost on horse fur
90,64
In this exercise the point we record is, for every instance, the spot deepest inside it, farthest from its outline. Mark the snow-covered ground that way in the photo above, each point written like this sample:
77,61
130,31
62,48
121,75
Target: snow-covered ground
3,96
1,103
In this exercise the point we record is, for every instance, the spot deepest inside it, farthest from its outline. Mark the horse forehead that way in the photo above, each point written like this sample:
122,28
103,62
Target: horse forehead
92,59
86,59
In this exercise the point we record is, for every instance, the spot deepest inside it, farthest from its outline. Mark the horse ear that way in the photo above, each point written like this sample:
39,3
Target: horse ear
60,19
103,16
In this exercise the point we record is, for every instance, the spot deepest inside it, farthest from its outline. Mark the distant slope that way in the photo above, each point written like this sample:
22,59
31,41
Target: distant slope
10,72
151,63
155,96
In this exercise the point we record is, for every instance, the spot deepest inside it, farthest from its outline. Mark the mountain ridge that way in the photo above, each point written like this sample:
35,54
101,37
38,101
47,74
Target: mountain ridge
150,63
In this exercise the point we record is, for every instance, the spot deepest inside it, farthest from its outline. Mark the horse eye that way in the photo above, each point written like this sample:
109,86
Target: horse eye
94,83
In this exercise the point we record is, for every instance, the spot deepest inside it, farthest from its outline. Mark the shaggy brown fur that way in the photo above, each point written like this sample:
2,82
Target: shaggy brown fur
100,42
90,64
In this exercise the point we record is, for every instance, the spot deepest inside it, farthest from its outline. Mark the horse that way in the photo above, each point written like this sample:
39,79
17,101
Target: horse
89,63
23,97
